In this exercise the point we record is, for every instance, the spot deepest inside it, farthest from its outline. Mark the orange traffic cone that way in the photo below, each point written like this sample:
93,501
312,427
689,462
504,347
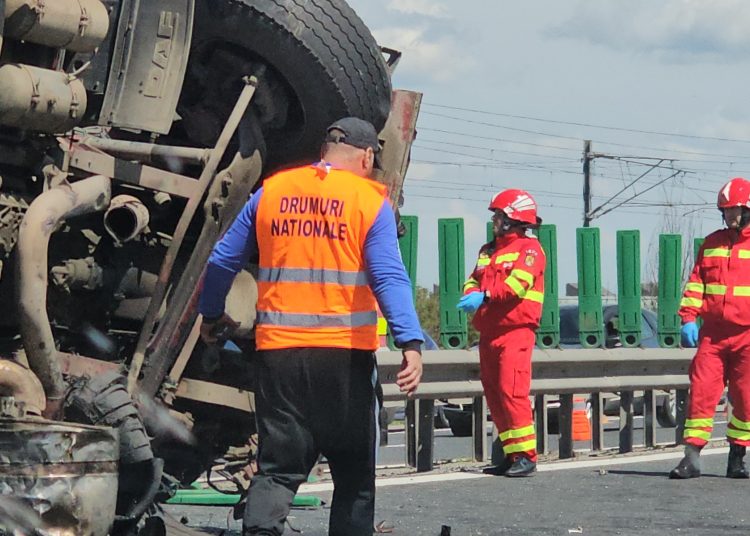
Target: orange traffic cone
581,424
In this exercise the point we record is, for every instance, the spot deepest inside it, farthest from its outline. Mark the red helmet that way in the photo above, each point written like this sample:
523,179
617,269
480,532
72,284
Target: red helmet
518,205
735,193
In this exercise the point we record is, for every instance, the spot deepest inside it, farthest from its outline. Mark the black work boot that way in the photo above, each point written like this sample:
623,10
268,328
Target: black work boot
522,466
500,469
689,466
736,468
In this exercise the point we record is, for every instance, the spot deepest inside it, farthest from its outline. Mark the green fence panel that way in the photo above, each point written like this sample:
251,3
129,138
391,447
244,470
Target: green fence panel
590,322
548,334
490,231
629,287
670,289
408,246
453,332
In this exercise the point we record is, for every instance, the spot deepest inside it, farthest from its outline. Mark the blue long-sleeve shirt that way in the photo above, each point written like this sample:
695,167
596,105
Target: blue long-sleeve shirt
383,265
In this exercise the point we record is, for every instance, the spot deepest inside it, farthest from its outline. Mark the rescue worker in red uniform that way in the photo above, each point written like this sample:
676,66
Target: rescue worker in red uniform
718,292
506,290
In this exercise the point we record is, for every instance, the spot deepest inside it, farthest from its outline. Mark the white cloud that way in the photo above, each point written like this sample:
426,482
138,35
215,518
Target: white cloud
671,28
440,59
428,8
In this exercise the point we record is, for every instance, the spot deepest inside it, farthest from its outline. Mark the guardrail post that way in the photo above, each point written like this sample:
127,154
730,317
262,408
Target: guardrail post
420,434
565,420
649,420
629,288
670,289
590,323
408,246
541,420
680,400
548,334
453,331
597,421
626,421
479,428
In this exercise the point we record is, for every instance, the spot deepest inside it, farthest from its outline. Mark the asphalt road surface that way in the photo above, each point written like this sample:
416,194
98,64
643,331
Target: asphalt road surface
625,495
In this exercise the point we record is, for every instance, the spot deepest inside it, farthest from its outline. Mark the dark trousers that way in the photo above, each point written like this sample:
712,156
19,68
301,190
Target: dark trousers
312,401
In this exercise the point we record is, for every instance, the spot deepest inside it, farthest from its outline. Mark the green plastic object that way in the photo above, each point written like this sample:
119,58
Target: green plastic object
453,332
548,334
490,231
629,287
590,321
407,244
210,497
670,289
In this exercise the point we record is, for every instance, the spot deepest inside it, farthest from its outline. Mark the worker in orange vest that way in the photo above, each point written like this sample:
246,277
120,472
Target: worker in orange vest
718,292
506,290
324,237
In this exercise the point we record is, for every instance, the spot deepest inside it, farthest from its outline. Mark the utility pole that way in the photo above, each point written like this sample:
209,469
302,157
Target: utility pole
587,158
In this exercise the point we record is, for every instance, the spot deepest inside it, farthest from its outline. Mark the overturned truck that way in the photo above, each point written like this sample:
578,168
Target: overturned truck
131,134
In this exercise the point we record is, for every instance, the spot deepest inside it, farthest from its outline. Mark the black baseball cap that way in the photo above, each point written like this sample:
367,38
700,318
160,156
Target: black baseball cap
355,132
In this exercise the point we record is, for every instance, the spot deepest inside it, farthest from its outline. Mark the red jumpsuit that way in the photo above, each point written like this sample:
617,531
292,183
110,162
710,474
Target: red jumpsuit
719,292
511,271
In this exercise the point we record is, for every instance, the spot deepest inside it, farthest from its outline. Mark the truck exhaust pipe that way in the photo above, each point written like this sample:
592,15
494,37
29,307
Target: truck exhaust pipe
42,219
126,218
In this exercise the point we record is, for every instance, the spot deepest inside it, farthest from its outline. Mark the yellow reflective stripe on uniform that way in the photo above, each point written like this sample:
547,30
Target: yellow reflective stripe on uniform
524,446
713,288
695,287
382,326
483,262
716,252
471,283
744,254
741,291
523,275
506,257
535,296
738,434
699,423
517,433
700,434
691,302
516,286
742,425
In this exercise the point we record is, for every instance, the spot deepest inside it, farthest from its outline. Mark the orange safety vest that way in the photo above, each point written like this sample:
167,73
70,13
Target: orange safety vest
313,291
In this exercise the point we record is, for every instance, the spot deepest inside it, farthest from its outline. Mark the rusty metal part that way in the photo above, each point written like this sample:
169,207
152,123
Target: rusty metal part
206,177
20,383
79,366
39,99
397,136
45,214
77,25
185,352
94,161
67,473
126,218
214,393
148,153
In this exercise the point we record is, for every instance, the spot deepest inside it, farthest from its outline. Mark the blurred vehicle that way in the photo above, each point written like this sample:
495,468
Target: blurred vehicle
458,416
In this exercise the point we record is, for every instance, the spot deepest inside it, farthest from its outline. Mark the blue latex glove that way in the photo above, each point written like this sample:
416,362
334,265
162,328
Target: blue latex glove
471,302
690,334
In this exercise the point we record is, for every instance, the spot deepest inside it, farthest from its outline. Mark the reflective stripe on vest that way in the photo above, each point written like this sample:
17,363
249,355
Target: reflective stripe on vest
699,423
524,446
695,287
700,434
691,302
485,261
303,320
741,291
744,254
517,433
716,252
719,290
470,284
507,257
742,425
311,275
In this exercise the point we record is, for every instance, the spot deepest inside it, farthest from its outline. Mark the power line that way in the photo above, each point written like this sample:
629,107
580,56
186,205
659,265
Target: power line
590,125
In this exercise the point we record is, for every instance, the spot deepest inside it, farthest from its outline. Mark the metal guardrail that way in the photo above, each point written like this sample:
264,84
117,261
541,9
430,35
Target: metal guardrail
455,374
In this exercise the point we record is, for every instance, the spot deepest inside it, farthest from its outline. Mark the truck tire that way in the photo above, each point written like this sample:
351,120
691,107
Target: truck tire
316,62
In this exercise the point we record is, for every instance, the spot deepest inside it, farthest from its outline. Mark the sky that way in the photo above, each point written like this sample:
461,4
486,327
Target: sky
512,90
